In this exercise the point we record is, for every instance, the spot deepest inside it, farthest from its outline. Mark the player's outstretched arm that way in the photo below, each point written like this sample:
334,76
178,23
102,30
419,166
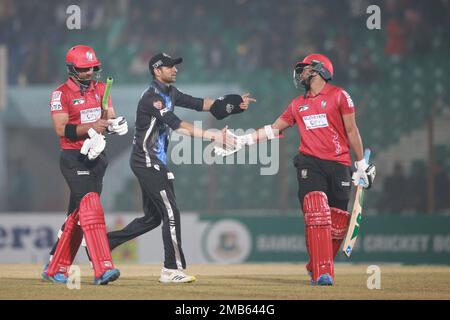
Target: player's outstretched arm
268,132
236,143
219,137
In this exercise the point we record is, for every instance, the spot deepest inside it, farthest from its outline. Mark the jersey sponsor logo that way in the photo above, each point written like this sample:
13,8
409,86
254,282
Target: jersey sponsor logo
90,115
158,104
303,108
349,99
56,106
83,173
315,121
56,96
78,101
345,183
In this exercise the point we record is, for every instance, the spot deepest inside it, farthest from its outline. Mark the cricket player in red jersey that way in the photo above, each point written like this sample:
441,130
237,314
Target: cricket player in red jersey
76,113
325,116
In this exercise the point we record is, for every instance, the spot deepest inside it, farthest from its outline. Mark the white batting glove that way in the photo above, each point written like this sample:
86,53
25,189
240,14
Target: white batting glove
118,125
364,174
86,146
94,145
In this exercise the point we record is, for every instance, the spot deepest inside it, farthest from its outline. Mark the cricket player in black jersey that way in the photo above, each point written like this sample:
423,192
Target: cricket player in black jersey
155,120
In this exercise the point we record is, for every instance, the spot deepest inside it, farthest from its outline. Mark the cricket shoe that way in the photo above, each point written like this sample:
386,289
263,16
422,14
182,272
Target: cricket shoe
109,276
175,276
324,280
56,278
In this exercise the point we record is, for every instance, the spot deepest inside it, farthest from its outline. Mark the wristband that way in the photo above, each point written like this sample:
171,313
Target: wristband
70,132
269,132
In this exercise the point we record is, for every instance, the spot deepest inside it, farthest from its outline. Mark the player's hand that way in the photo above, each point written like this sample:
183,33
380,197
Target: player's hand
364,174
247,99
224,138
246,139
228,144
118,125
100,125
94,145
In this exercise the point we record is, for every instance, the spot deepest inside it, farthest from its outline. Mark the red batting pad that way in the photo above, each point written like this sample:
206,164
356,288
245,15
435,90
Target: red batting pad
318,233
67,246
340,220
92,221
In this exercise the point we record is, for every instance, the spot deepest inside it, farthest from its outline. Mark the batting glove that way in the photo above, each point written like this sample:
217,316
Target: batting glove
118,125
94,145
364,174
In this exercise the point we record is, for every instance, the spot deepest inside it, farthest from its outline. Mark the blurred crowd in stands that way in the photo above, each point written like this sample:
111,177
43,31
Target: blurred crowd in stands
407,193
235,35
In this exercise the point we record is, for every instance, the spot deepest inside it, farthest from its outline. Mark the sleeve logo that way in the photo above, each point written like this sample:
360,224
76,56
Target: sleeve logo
55,106
349,99
55,103
56,96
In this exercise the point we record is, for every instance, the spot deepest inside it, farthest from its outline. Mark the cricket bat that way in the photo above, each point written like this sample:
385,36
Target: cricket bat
109,82
355,220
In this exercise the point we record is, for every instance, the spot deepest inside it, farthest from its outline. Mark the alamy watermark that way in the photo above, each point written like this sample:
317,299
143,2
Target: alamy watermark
374,280
74,279
73,21
374,20
188,150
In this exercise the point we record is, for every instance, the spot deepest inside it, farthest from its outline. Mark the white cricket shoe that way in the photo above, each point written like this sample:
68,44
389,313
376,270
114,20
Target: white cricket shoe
175,276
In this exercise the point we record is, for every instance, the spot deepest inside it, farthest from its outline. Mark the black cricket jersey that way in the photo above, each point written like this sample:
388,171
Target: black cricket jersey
155,121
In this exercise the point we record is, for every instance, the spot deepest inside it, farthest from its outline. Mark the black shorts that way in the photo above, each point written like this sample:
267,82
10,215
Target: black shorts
333,178
82,175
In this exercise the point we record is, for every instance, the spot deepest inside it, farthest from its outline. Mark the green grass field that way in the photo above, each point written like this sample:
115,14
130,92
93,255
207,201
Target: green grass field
246,281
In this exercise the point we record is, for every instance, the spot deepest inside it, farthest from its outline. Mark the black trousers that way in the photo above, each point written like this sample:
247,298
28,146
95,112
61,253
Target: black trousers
159,205
330,177
82,176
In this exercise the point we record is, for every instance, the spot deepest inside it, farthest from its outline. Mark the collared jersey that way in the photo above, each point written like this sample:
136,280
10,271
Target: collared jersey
82,107
155,120
320,123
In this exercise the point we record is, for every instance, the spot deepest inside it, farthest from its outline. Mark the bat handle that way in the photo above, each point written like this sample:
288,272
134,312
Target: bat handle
367,153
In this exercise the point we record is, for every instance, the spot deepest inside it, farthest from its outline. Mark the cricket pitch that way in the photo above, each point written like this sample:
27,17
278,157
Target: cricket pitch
233,282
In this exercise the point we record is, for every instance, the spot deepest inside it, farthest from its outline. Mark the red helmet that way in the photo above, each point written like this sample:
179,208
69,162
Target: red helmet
82,57
320,63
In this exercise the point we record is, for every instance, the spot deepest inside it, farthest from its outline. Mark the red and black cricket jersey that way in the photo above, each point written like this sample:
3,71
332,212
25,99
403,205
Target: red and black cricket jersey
82,107
320,123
